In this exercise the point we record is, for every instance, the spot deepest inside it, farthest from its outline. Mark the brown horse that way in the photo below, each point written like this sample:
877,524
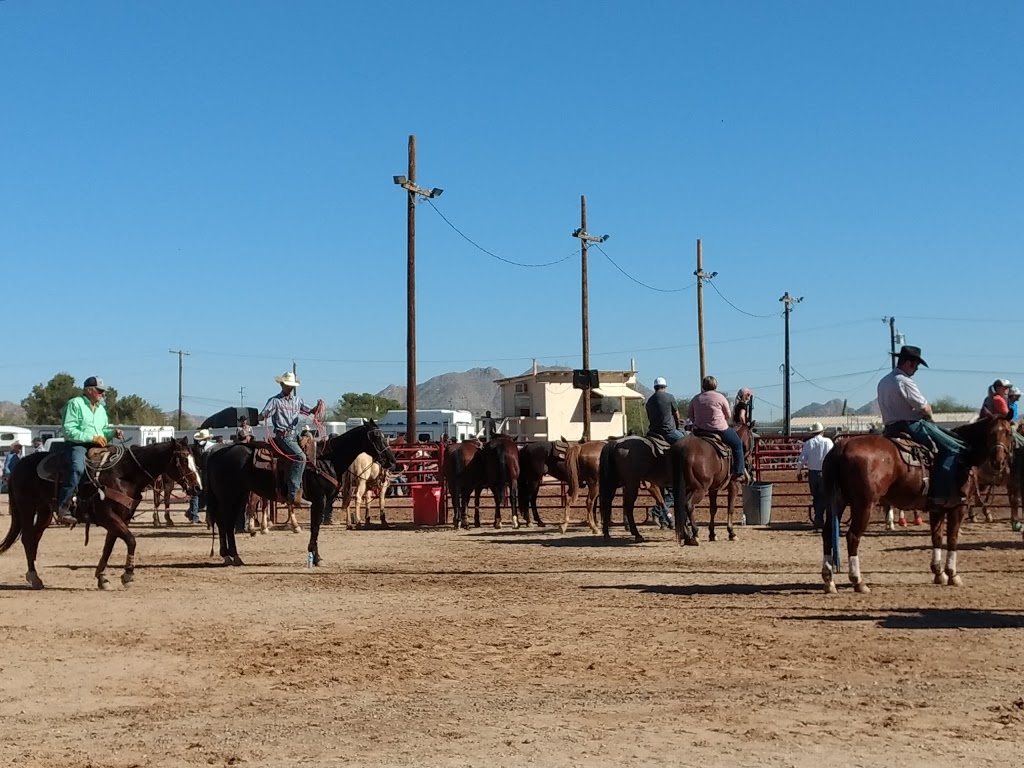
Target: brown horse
500,460
861,472
163,488
627,463
32,499
536,460
985,481
464,476
699,469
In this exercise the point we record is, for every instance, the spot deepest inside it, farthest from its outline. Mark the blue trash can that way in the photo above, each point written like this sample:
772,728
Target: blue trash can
757,503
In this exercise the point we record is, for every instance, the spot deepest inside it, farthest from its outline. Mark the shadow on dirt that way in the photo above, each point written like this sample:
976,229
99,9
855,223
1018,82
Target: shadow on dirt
927,618
712,589
966,546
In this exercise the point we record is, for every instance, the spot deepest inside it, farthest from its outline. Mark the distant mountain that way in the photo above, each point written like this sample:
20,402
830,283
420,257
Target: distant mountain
835,408
11,413
473,390
869,409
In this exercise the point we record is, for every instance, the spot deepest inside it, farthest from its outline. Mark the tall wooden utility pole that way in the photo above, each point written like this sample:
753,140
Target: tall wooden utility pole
787,303
409,185
892,338
585,240
181,369
701,276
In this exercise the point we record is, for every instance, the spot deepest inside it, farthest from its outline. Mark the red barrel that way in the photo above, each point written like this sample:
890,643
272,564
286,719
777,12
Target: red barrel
426,505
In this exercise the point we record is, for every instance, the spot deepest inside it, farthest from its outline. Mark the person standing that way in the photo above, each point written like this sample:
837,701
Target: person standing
10,462
812,455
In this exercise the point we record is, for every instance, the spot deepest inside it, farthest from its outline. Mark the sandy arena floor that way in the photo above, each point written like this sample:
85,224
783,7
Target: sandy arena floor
508,648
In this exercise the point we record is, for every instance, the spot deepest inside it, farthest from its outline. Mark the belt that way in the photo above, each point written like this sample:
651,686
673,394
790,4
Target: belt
283,433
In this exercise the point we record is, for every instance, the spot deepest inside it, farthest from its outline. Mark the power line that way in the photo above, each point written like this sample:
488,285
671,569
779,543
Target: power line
493,255
640,282
741,311
871,375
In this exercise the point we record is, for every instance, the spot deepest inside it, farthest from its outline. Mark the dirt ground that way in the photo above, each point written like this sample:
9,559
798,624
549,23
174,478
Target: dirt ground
508,648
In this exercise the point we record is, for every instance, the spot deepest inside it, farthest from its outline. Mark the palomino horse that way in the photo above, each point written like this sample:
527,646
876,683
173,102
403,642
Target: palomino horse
122,486
500,460
464,476
232,475
362,477
627,463
699,468
860,472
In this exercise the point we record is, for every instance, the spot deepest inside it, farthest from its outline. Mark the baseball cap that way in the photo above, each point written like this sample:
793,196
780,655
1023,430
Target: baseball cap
95,381
660,382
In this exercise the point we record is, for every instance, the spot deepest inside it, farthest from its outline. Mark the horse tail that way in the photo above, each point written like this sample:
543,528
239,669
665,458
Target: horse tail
459,467
831,479
680,506
499,490
572,467
608,483
17,524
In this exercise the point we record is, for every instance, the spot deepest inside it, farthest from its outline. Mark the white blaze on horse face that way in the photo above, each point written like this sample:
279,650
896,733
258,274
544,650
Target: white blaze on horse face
194,470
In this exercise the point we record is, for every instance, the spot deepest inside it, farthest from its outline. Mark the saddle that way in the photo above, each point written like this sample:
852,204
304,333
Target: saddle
660,444
559,448
913,453
716,442
96,460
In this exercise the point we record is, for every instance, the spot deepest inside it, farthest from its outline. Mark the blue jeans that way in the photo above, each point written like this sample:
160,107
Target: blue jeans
945,481
817,485
731,439
193,508
76,465
290,446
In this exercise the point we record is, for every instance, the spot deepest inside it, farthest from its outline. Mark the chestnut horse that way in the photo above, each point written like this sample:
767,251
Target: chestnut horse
32,500
863,471
987,481
500,460
698,470
464,476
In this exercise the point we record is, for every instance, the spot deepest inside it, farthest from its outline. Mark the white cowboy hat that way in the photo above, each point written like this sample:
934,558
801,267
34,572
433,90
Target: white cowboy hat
817,428
288,379
202,436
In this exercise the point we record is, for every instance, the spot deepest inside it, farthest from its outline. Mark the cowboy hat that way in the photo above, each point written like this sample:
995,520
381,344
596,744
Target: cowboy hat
242,418
202,436
287,379
817,428
908,352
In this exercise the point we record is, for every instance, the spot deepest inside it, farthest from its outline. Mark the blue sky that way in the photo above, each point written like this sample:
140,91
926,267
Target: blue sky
216,177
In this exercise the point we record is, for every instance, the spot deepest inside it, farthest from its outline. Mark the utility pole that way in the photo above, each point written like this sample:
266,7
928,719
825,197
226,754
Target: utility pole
241,396
409,185
892,338
701,277
181,368
585,241
295,370
787,302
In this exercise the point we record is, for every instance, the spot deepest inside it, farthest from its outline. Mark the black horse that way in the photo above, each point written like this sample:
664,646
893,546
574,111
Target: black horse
231,476
32,500
536,460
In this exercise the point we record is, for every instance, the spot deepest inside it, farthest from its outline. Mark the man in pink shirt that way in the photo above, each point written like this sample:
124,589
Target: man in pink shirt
709,412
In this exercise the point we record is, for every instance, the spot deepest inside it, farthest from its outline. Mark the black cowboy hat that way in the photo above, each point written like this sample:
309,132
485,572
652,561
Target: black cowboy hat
908,352
242,418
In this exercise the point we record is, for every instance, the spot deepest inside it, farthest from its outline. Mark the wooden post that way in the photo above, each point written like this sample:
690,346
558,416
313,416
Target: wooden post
410,348
586,315
700,312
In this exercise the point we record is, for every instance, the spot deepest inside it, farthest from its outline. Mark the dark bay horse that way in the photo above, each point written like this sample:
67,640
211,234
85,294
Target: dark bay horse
500,461
464,476
861,472
627,463
32,501
536,460
698,470
231,476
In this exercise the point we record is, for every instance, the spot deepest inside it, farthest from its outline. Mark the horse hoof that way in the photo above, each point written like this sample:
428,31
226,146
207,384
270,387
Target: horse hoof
103,583
830,588
515,523
941,579
732,535
955,580
317,560
383,525
34,581
127,578
861,588
497,523
540,523
563,527
638,539
711,536
236,560
226,559
169,522
691,542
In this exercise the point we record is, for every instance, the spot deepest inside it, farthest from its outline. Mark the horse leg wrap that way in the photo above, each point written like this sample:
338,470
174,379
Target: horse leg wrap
936,560
854,566
951,564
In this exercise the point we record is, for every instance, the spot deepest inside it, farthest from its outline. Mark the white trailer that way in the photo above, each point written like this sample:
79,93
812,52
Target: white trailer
430,424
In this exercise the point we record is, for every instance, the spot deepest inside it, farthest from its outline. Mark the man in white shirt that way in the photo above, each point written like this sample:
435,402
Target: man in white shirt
811,457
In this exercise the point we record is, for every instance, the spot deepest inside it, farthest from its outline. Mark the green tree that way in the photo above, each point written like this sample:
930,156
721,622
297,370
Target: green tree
132,409
636,417
45,403
947,404
366,406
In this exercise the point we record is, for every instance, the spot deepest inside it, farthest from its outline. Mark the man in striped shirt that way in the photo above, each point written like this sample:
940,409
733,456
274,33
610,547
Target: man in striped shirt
281,414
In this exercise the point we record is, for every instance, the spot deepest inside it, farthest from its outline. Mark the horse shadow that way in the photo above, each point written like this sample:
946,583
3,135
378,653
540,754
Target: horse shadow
711,589
965,546
558,541
927,618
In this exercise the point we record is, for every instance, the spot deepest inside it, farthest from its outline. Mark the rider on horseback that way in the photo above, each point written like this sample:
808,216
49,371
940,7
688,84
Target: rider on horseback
282,413
905,410
663,417
709,412
85,426
742,411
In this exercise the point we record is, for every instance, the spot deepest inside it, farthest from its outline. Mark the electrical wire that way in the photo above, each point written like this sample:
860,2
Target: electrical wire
640,282
741,311
871,375
493,255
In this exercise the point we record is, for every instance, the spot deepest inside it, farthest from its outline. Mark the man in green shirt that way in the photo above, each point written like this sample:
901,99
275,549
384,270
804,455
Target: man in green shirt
85,426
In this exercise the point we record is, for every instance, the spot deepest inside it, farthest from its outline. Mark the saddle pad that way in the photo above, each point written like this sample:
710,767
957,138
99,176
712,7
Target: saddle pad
716,442
659,444
263,458
48,468
913,453
559,449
